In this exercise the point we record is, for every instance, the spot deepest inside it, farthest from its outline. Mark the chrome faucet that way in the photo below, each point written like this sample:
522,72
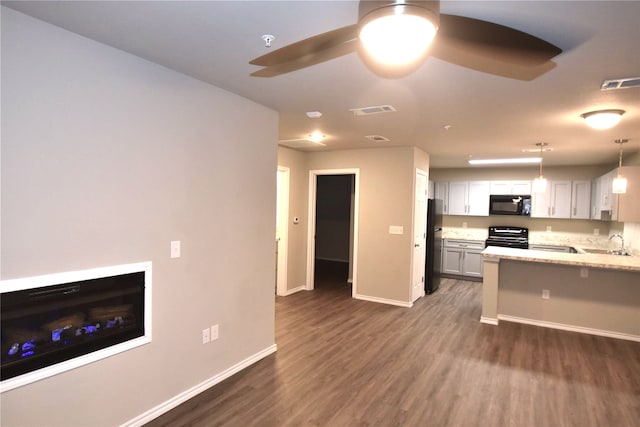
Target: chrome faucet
622,250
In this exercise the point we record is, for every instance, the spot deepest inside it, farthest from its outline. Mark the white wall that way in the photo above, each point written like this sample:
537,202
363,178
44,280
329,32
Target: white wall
105,159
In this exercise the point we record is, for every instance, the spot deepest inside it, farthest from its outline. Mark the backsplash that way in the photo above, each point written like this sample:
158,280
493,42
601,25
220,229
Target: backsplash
632,235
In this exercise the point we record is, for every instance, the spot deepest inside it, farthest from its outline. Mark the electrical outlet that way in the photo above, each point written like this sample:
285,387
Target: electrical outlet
596,231
545,294
214,332
464,225
548,229
175,249
206,336
584,272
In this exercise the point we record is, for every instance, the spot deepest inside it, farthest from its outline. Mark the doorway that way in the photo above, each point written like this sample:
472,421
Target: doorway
333,224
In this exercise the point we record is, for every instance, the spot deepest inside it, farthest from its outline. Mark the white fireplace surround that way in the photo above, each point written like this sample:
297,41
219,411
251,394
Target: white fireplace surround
75,276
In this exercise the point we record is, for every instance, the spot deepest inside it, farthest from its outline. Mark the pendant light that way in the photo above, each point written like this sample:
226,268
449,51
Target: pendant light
540,183
620,182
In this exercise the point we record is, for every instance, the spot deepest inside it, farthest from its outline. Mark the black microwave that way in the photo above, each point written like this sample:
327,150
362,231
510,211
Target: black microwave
510,205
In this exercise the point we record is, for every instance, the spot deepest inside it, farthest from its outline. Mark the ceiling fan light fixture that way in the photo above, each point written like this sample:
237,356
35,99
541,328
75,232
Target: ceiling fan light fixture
316,137
398,34
602,119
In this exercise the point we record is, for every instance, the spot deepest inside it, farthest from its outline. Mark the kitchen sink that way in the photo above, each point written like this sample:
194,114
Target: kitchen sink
604,251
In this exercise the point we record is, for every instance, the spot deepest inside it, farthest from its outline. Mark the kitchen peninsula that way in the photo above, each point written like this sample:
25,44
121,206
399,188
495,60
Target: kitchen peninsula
584,292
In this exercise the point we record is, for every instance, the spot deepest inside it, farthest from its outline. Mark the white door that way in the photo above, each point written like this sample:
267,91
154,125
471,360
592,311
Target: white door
419,236
282,231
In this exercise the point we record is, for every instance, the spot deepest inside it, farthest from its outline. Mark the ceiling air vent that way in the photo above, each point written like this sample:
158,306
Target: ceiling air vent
365,111
620,83
377,138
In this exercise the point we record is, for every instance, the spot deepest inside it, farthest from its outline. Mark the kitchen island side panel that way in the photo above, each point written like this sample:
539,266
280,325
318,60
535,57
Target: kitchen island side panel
605,300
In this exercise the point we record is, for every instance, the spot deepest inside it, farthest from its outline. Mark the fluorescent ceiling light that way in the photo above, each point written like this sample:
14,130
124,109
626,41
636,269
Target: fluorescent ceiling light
517,161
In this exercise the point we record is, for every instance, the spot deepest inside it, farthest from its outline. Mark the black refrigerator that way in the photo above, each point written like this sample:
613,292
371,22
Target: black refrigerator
433,267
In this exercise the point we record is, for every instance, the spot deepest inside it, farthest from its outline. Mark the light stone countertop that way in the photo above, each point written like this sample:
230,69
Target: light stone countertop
611,262
553,238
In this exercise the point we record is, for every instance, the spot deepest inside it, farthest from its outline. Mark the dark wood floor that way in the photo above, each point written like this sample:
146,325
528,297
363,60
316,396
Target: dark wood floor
344,362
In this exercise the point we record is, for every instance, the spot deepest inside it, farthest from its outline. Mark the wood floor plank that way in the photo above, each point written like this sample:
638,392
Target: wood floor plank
344,362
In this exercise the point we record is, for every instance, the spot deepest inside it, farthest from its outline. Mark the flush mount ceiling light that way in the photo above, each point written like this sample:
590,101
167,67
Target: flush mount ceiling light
540,183
516,161
620,182
399,34
603,119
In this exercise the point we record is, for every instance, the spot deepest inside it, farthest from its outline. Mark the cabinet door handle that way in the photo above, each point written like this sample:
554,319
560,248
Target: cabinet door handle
574,211
549,211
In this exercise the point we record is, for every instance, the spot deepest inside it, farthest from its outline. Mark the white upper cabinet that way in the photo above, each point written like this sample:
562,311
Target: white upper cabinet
469,198
555,202
441,191
581,199
515,188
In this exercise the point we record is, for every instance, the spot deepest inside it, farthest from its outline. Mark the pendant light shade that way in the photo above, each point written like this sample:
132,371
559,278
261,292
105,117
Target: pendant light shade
540,183
603,119
620,182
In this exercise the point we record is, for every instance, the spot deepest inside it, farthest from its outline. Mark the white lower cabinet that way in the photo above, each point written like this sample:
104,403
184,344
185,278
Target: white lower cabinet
462,257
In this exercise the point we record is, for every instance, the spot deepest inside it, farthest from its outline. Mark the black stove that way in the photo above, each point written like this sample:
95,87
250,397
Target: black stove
508,237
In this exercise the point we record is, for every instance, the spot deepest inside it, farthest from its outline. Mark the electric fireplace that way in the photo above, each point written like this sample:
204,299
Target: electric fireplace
58,322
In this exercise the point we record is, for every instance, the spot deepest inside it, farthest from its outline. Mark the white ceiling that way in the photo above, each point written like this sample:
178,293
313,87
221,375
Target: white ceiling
490,116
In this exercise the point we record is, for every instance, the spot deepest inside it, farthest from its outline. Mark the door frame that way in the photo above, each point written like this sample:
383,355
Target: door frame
311,229
282,228
424,239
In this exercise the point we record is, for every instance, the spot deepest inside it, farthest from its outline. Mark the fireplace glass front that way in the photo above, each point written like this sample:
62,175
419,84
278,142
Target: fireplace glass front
47,325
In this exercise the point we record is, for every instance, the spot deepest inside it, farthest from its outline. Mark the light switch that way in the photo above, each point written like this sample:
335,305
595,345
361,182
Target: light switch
175,249
396,229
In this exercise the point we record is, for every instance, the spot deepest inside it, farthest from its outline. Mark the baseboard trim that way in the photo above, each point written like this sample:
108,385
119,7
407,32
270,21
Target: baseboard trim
488,320
166,406
294,290
570,328
384,301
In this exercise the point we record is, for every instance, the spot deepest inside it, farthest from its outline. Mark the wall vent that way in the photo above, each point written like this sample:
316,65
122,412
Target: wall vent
365,111
620,83
377,138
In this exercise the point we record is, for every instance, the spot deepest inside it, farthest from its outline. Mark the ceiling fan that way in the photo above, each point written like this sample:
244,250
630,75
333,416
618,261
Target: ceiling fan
472,43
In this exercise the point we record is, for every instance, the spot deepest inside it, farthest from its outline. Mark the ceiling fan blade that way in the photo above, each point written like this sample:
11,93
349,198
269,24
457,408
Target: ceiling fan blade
494,41
308,60
309,46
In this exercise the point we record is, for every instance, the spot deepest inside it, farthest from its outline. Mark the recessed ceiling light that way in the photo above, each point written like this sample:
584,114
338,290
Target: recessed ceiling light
314,114
516,161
